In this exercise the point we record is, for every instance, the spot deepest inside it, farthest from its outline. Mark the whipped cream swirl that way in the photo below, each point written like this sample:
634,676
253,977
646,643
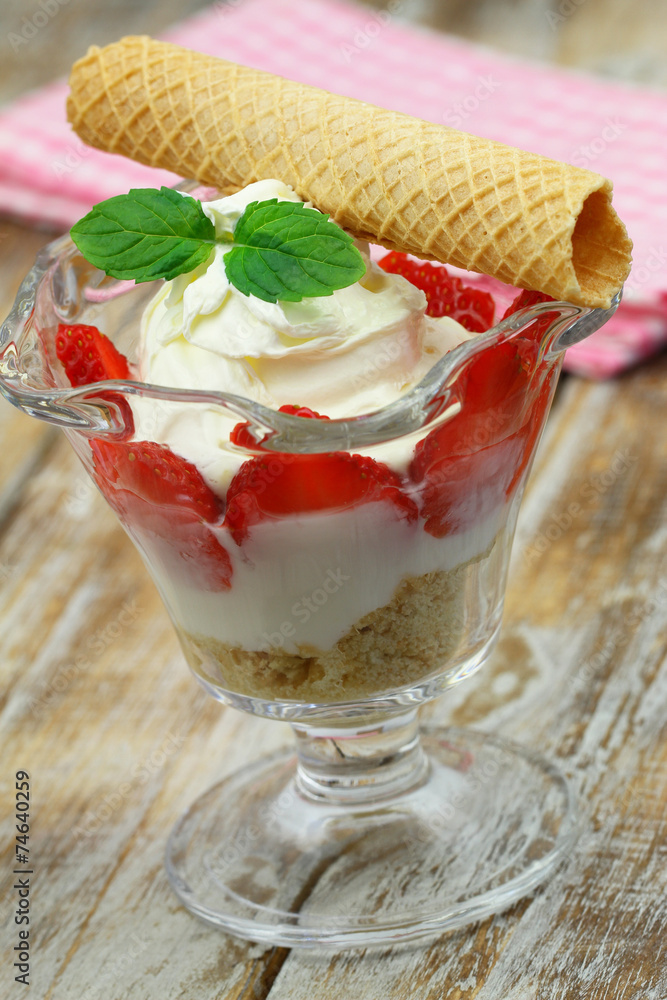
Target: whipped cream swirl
349,353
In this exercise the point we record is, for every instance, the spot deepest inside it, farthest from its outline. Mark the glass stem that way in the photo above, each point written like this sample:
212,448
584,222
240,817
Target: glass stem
362,765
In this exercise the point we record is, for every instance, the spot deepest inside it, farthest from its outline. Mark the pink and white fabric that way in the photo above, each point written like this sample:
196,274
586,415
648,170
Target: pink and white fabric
48,176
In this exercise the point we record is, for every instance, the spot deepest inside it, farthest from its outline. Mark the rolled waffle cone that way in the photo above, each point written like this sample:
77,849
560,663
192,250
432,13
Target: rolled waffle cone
406,184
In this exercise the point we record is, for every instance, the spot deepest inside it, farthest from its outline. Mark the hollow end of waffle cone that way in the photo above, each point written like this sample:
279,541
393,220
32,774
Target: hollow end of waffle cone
601,252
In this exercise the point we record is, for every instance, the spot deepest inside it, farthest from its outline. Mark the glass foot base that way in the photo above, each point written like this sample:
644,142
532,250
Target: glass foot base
259,859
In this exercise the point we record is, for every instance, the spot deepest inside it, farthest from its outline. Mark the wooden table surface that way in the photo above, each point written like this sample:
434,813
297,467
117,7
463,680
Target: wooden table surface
98,706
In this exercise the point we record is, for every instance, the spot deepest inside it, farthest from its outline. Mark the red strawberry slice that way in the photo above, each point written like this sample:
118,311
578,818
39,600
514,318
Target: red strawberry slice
269,488
528,342
156,474
242,437
545,383
445,294
185,547
163,499
301,411
492,391
467,465
463,489
87,355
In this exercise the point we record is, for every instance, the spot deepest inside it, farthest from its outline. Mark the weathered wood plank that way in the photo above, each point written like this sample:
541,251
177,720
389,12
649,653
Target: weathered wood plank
18,248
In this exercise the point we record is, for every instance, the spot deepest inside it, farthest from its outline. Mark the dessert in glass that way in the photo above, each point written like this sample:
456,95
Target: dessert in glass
324,490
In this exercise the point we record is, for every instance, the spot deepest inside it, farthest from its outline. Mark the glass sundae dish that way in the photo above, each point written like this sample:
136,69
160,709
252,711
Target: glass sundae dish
332,571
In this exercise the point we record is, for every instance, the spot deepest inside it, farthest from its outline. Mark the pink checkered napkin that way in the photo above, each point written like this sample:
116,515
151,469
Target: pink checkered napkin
47,175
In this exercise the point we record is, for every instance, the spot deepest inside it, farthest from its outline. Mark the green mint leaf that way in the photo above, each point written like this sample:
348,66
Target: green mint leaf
282,250
145,234
285,251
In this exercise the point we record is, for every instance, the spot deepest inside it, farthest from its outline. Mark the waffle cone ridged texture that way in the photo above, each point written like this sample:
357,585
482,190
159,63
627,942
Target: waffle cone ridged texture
407,184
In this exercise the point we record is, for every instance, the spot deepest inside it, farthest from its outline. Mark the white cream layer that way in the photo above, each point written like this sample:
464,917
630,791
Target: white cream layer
303,582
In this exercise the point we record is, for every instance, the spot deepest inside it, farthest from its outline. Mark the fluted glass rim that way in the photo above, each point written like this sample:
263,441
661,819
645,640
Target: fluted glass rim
90,409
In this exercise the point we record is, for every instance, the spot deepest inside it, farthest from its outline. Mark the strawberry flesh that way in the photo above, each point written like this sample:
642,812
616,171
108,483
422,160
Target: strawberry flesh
525,299
531,338
445,294
165,498
87,355
242,437
156,474
462,490
269,488
277,485
476,459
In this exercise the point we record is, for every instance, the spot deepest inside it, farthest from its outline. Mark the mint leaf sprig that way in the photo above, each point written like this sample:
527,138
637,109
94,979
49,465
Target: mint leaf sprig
280,250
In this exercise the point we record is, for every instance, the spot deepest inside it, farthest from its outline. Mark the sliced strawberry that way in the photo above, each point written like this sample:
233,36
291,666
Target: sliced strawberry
492,393
546,376
463,489
445,294
156,474
470,464
164,501
480,456
183,545
269,488
242,437
87,355
301,411
529,341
